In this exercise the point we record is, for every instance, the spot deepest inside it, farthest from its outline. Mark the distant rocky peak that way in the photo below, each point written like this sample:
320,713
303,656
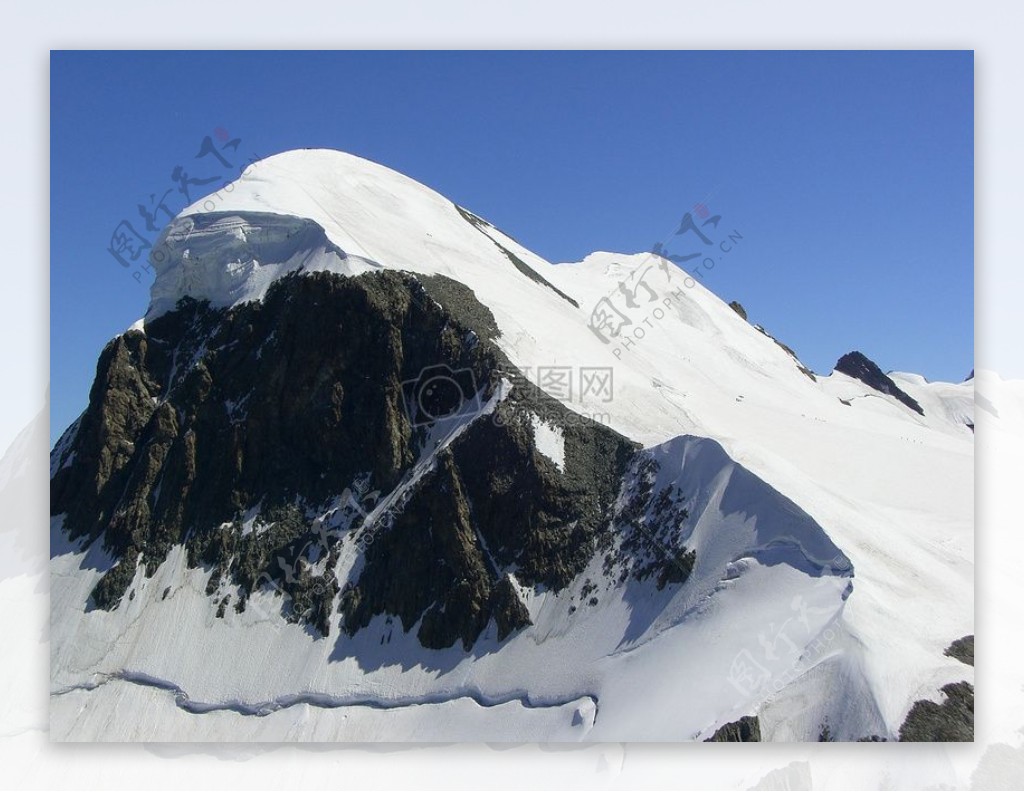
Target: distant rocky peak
861,367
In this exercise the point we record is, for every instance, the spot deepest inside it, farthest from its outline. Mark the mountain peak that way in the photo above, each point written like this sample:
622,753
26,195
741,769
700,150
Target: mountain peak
860,366
324,210
386,454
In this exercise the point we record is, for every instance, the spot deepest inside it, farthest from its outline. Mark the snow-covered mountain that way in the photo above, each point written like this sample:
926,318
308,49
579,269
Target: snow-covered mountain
369,469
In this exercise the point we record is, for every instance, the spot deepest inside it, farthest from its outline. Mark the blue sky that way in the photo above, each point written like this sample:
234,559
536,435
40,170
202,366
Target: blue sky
849,175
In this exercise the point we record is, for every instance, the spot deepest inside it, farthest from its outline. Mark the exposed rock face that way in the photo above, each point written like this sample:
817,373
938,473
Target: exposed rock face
235,431
950,721
208,411
962,649
858,366
746,729
738,309
648,525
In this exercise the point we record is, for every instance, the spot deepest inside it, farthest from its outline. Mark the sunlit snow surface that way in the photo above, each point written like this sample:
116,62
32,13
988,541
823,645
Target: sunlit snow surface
839,615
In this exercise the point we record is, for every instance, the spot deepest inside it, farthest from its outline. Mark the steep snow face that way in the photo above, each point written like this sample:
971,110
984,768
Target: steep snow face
229,259
373,217
892,489
953,401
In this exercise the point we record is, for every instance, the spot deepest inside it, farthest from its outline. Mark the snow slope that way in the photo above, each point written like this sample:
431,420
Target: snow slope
553,679
892,490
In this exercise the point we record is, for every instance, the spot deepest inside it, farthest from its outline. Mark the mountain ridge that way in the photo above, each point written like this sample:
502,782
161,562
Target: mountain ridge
339,418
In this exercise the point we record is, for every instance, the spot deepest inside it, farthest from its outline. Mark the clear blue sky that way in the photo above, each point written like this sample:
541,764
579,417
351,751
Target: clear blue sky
850,175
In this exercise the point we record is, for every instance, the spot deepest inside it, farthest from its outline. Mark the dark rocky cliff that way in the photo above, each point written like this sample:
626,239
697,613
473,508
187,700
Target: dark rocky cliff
859,366
746,729
275,409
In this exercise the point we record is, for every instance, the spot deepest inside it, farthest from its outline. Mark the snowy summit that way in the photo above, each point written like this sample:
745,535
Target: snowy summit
372,470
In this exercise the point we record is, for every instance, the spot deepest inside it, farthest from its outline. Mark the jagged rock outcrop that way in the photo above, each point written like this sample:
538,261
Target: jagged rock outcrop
746,729
272,409
950,721
962,649
859,366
